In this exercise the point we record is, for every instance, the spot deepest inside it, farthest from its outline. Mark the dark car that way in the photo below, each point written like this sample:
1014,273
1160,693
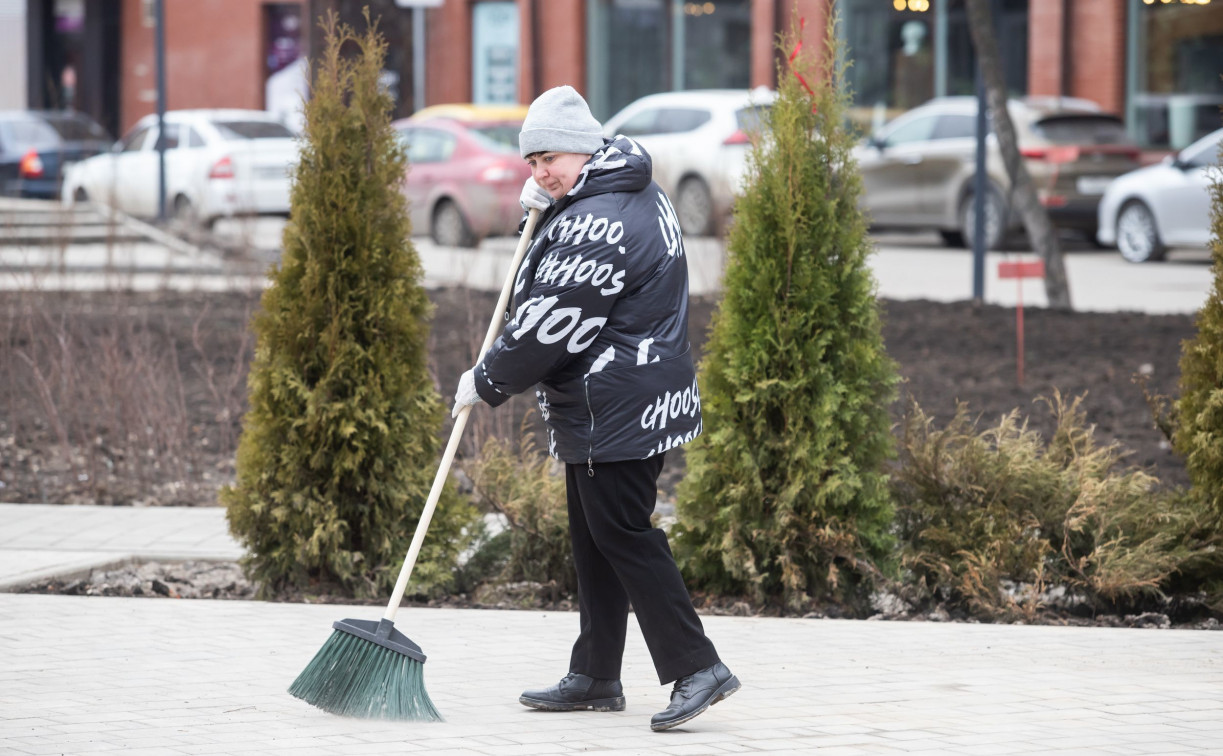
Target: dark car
37,146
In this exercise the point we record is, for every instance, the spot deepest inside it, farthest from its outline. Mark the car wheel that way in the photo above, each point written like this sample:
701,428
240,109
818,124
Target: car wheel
80,196
1137,237
995,220
183,212
951,238
449,227
694,207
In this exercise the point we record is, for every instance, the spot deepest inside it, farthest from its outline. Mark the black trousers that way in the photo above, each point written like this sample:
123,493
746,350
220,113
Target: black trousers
621,558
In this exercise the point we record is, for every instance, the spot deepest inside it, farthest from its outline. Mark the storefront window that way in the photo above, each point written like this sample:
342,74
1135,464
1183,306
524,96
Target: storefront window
904,53
1179,56
69,44
717,44
495,52
633,44
892,52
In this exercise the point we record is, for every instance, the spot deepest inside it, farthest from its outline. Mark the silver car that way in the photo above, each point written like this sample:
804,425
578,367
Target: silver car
1146,211
698,140
919,170
219,163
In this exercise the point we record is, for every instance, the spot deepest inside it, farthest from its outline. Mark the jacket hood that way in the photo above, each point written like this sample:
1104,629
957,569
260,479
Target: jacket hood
621,165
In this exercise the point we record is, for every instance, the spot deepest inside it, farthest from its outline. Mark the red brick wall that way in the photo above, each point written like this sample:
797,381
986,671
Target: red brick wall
764,19
1045,47
1098,52
526,58
562,45
448,60
815,13
214,52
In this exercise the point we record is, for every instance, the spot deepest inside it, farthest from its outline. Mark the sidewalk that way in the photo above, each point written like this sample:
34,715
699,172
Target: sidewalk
84,675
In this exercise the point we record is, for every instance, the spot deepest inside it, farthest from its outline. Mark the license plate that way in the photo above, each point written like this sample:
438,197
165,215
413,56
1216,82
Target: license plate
1092,184
271,172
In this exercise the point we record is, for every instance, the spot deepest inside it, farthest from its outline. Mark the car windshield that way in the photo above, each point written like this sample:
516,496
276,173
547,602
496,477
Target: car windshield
1203,152
752,118
74,129
233,131
1081,129
28,133
502,137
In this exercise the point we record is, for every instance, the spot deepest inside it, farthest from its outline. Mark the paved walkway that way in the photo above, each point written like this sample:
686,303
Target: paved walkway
145,676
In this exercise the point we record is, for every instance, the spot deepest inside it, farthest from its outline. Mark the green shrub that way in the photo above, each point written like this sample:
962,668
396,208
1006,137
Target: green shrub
976,509
1195,420
1199,410
340,445
786,498
528,489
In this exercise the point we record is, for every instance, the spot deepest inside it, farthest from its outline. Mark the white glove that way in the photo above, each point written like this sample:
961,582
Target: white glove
534,197
465,394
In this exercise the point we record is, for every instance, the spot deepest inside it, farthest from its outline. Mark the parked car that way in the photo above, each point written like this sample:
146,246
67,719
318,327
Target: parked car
464,171
698,140
219,163
918,171
1146,211
37,146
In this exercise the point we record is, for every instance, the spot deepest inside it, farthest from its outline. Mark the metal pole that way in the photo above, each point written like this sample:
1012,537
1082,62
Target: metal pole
941,45
160,44
677,46
418,58
980,185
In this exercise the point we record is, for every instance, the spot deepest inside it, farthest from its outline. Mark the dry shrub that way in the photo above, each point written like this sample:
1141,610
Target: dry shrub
990,520
527,488
96,394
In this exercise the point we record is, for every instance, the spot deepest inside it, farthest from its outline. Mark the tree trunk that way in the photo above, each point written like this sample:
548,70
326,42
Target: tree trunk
1023,195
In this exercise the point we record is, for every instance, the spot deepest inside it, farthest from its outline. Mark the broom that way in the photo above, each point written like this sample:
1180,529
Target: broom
369,669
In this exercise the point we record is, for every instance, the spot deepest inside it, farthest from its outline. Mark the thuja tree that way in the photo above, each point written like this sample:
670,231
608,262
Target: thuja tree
340,444
786,497
1199,432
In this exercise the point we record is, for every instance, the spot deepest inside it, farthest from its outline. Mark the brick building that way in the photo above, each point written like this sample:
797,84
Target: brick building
1157,62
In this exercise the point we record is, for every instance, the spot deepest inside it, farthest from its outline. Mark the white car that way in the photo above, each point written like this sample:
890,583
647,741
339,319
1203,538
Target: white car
219,163
1146,211
698,140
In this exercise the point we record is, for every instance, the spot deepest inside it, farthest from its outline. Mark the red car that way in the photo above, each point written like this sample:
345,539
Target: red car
464,172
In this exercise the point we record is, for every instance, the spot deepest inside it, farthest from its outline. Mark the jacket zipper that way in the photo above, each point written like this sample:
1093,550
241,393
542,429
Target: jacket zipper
590,449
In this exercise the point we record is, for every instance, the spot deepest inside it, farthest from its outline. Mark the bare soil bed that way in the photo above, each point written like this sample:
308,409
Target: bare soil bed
136,399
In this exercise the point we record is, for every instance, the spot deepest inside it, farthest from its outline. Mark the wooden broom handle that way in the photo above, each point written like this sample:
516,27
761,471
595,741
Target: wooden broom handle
460,422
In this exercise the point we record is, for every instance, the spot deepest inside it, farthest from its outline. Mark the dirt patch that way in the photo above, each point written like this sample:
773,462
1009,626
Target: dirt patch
136,399
225,581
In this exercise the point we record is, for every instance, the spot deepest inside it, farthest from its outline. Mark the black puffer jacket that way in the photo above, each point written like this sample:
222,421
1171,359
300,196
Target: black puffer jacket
601,319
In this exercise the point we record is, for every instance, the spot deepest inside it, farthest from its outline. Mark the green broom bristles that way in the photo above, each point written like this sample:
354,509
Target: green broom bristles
354,677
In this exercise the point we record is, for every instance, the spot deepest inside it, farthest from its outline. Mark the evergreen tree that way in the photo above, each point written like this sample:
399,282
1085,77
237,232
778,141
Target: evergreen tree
340,444
786,497
1199,433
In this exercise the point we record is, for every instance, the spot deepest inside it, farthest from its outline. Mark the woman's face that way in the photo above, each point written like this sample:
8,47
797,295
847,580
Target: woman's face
556,172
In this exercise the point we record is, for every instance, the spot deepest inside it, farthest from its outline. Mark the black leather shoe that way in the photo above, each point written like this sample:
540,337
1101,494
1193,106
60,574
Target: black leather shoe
694,694
577,693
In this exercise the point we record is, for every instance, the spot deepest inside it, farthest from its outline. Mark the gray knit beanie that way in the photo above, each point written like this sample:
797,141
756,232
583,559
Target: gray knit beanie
560,121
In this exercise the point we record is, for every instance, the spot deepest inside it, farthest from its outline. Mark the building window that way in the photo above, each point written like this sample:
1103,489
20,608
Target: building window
903,56
716,40
69,52
1179,54
639,47
494,49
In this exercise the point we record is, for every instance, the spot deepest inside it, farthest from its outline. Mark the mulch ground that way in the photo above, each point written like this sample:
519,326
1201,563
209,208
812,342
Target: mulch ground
136,399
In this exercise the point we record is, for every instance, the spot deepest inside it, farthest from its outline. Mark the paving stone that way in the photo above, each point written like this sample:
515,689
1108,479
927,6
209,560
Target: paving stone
86,675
